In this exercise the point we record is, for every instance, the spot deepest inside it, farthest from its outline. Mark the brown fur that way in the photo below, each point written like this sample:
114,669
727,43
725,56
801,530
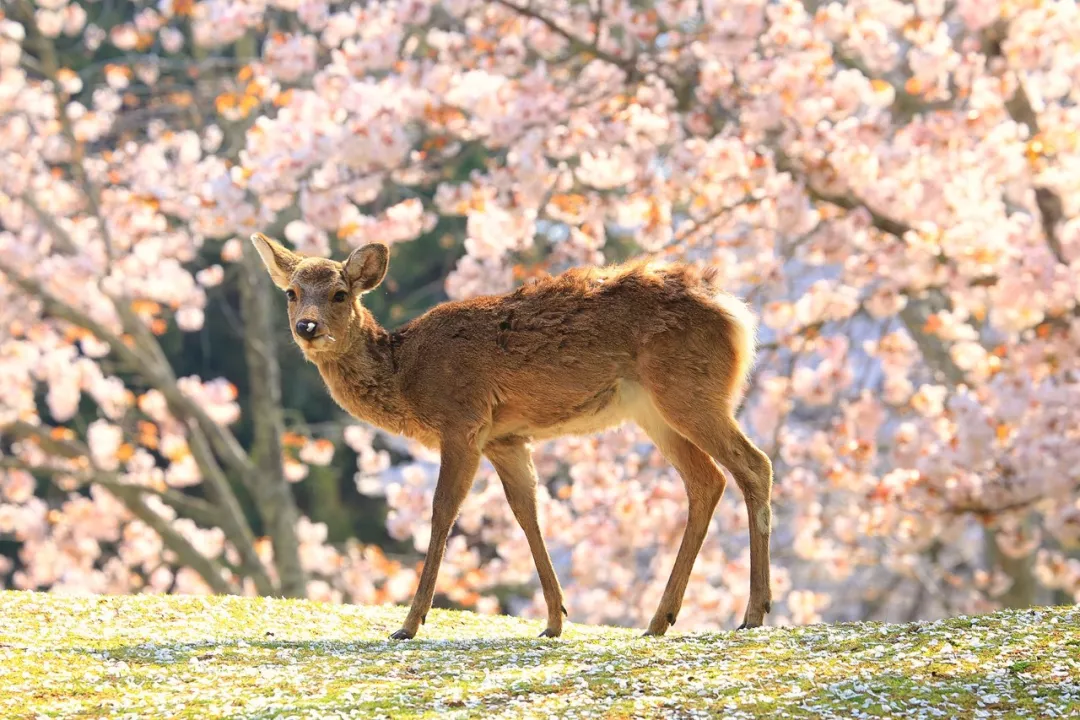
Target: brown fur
577,353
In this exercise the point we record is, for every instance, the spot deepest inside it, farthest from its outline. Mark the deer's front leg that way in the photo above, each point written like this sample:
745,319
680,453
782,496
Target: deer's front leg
459,462
513,462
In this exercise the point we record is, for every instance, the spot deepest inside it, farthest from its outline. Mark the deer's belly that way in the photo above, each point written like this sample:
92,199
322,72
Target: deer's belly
558,417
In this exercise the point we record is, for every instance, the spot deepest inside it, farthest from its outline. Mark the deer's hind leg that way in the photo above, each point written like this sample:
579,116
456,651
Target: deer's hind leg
704,487
704,418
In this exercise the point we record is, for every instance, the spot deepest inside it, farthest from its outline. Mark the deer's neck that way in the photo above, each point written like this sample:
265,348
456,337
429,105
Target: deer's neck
362,377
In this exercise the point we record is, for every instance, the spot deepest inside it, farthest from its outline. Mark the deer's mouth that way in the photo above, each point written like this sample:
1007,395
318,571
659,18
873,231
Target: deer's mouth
319,342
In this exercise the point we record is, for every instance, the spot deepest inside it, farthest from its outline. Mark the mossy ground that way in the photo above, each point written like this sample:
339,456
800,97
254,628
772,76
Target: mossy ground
169,656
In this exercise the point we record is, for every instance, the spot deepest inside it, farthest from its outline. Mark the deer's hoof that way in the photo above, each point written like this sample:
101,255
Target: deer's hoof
402,634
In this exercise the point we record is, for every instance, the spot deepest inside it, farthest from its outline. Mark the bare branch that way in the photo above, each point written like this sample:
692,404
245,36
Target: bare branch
272,493
847,202
198,510
133,497
915,313
211,571
233,522
627,65
57,307
155,370
1051,209
60,236
914,316
50,68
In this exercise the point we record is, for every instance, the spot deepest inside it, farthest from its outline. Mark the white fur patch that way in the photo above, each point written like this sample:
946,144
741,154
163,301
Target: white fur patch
764,519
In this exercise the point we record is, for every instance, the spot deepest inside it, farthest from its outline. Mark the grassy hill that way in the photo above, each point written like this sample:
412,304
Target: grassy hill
153,656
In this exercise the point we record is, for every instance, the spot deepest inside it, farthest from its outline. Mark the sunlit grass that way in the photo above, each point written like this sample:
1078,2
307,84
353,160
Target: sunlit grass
169,656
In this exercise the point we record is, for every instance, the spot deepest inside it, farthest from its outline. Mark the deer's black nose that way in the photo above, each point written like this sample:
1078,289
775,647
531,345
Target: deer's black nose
306,329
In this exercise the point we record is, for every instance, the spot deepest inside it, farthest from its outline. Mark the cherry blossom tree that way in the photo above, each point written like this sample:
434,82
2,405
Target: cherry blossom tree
893,185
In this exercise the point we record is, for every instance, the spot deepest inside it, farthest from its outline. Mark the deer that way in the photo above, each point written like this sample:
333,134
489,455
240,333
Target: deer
577,353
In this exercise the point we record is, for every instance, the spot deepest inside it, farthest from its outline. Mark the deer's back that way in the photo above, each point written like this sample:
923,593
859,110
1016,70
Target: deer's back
558,354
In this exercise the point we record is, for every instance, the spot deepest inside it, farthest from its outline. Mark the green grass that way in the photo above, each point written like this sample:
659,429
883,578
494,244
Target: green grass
169,656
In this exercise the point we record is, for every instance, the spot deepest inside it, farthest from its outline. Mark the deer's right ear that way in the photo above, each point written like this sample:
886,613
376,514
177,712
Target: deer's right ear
279,261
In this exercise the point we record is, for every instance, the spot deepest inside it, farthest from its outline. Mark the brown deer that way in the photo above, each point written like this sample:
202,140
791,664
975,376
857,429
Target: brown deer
576,353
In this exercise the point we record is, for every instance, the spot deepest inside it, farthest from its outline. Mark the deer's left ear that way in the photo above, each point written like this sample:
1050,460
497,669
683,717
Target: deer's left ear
366,267
280,261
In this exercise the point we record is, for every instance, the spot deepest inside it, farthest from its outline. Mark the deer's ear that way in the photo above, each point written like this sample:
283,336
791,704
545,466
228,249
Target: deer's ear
279,260
366,267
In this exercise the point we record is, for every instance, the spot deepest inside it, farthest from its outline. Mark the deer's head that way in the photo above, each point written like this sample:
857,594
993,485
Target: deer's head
324,295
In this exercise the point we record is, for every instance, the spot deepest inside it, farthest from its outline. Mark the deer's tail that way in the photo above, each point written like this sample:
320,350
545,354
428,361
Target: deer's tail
744,343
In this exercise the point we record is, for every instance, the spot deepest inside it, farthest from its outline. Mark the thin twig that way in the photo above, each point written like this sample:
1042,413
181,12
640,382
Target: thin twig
627,65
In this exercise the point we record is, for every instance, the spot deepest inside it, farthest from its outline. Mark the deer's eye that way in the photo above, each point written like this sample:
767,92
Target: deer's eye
340,296
291,294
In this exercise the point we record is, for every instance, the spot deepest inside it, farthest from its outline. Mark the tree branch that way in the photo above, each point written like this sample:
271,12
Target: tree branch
271,493
202,512
915,313
229,516
133,497
211,571
57,307
200,426
627,65
224,443
1051,209
50,67
150,361
233,521
61,237
155,370
848,202
198,510
697,226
